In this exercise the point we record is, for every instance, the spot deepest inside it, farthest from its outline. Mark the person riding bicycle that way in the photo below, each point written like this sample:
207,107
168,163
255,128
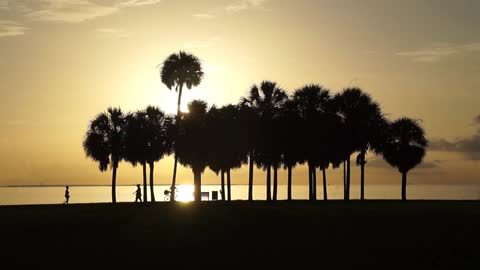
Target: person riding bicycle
168,193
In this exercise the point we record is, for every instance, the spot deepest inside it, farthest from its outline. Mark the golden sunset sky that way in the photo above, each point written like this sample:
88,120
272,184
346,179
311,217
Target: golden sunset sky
64,61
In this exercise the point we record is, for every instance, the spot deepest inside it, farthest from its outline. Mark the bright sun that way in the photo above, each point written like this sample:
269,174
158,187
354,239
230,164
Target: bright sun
171,106
185,193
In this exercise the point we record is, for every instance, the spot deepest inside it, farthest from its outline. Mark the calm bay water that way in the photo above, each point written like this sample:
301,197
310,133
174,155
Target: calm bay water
94,194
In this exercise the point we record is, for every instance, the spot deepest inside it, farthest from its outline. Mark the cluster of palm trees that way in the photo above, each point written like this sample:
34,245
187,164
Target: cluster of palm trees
268,129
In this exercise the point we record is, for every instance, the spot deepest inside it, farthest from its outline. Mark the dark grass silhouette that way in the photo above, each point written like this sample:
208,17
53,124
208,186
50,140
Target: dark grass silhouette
387,234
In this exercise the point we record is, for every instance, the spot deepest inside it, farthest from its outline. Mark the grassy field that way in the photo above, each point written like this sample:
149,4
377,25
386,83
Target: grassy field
389,234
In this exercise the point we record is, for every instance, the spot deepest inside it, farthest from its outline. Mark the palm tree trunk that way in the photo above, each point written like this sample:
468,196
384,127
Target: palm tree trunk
275,183
152,192
144,169
362,180
229,186
269,195
197,182
289,183
325,196
344,180
348,179
114,183
174,178
310,176
250,178
314,183
222,172
404,186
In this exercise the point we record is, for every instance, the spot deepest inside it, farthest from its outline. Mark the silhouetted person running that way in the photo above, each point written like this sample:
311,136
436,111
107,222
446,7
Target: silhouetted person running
138,194
67,195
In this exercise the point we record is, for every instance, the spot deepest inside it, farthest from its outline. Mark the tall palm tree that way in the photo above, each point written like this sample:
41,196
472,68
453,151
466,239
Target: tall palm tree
312,103
104,142
266,100
193,143
179,70
365,123
405,147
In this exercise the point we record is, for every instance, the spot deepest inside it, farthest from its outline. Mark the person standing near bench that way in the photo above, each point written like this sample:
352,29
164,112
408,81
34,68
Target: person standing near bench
67,195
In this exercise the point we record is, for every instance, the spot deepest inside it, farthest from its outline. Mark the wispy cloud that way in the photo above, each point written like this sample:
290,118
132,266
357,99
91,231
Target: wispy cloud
3,4
439,52
476,120
213,69
244,5
12,28
472,47
382,164
114,32
72,11
137,3
200,44
15,123
203,16
469,146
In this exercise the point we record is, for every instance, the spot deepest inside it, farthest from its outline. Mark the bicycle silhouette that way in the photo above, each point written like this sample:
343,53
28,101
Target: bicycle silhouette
168,194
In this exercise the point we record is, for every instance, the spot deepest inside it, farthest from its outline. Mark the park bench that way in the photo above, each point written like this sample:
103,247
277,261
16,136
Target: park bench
205,195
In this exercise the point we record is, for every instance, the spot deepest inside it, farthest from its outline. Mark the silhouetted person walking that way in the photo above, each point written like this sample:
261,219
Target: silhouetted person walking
138,194
67,195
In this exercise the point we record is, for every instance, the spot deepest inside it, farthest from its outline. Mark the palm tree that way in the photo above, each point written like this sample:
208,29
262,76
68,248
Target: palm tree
215,156
227,150
329,145
266,100
178,70
312,103
276,151
137,144
104,142
371,138
192,144
405,147
147,141
290,138
248,122
365,124
160,143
